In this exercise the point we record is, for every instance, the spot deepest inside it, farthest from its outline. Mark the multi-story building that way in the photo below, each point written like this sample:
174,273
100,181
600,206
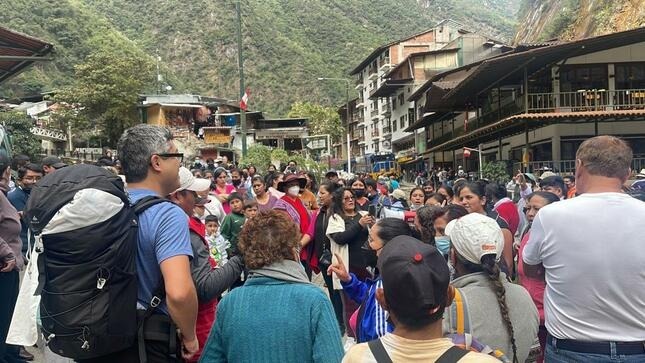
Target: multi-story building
392,73
534,106
369,77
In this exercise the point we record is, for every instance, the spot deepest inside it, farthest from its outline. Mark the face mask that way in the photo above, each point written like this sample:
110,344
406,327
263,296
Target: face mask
359,192
293,191
443,244
237,183
427,194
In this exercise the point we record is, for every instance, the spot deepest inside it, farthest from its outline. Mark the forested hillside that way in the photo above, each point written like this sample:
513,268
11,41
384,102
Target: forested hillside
287,43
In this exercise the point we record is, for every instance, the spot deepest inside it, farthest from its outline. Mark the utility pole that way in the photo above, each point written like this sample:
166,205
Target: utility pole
240,57
159,79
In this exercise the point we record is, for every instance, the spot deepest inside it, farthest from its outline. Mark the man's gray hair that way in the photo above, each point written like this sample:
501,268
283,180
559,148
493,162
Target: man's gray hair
137,145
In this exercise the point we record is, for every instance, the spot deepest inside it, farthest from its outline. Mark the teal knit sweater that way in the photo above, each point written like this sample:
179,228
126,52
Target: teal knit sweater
269,320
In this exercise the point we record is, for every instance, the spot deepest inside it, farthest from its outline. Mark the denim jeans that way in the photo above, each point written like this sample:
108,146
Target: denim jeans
555,355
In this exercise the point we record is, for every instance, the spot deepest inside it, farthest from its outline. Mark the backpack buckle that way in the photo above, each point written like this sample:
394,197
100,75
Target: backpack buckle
155,301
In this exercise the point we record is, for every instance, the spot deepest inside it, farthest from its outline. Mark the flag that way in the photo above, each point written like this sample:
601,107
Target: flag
244,102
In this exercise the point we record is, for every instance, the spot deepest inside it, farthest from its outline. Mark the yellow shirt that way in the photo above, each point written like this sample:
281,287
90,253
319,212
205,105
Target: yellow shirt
405,350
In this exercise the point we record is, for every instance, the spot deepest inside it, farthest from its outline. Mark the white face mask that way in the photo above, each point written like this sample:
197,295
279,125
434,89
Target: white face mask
293,191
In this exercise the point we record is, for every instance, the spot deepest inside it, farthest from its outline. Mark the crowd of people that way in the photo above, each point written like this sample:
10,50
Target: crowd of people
446,272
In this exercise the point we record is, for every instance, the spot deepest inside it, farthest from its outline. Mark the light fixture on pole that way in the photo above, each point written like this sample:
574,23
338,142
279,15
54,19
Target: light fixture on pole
348,82
467,152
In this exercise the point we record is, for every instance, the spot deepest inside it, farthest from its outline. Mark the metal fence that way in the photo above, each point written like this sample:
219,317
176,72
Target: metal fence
564,167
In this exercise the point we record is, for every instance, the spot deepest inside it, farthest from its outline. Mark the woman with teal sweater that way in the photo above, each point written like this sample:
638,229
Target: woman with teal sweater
278,315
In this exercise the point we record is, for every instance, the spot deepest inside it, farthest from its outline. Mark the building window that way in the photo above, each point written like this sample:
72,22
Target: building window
401,99
630,76
394,127
394,105
402,122
583,77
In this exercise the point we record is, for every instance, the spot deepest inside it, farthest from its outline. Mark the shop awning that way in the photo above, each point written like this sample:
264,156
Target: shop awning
518,124
18,51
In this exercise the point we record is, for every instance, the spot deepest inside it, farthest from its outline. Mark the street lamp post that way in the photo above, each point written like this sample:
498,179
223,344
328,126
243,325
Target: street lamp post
479,152
349,160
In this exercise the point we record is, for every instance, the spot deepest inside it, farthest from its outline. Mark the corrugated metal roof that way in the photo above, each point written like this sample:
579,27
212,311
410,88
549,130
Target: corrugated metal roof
26,50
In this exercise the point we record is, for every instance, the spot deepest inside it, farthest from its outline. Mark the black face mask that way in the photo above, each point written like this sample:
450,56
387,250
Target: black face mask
236,182
27,190
359,192
427,194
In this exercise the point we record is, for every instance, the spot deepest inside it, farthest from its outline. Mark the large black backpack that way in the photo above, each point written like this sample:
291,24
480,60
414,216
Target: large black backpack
87,232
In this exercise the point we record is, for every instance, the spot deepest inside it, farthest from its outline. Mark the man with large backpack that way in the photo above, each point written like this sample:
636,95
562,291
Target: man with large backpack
150,163
113,268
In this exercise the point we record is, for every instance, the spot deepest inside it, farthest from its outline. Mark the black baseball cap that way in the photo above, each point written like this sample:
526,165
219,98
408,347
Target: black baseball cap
415,275
54,162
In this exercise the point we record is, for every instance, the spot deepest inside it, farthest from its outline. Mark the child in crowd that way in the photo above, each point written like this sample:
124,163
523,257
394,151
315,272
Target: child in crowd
250,208
233,222
216,242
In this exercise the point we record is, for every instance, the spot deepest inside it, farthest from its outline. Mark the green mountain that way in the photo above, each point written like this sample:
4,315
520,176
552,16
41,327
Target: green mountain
288,44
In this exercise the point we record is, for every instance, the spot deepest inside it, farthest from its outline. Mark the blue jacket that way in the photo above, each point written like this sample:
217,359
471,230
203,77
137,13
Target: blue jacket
371,322
269,320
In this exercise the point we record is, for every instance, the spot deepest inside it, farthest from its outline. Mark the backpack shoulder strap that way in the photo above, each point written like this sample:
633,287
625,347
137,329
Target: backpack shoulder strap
452,355
459,317
378,351
146,202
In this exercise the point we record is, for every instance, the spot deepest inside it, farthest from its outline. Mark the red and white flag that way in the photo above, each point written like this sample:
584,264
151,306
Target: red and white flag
244,102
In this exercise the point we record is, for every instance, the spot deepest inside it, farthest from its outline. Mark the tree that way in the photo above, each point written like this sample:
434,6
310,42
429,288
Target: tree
322,120
496,172
259,156
106,88
18,126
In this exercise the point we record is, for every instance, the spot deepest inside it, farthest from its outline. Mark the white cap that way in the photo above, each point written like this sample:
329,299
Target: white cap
187,181
476,235
547,174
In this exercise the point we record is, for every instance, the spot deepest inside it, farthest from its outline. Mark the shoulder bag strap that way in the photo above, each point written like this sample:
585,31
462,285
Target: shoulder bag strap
452,355
378,351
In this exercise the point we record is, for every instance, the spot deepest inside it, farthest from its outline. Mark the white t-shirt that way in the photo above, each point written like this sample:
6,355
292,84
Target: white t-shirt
593,251
410,351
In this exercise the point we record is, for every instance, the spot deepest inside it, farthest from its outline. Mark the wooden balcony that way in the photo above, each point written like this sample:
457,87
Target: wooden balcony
587,100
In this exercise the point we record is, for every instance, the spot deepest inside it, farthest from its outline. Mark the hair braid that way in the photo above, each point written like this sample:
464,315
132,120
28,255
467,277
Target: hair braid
492,269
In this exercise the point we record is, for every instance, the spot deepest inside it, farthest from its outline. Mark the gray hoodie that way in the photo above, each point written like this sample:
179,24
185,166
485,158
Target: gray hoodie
485,317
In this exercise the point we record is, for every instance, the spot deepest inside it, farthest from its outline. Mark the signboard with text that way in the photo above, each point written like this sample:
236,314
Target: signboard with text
217,135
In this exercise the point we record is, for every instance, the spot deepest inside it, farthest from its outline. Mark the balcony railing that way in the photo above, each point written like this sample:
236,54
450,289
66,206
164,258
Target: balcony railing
385,64
375,133
387,130
359,83
372,73
374,113
587,100
564,167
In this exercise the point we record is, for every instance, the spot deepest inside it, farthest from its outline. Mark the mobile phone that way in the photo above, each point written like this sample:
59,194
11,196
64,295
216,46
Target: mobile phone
372,210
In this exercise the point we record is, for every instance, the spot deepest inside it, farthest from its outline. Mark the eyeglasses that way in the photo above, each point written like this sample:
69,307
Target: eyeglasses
178,156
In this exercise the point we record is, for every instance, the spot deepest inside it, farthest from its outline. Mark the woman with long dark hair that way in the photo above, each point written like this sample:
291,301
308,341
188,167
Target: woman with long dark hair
222,189
347,232
317,235
360,191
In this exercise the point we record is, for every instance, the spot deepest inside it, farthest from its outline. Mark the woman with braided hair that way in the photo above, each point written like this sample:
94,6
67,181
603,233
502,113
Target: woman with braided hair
498,313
